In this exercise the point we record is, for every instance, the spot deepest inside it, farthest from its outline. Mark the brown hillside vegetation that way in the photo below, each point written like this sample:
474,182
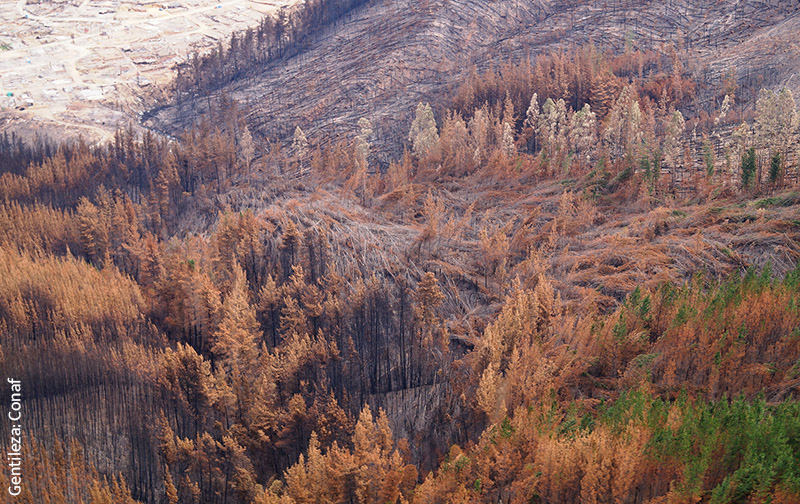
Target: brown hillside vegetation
448,304
563,290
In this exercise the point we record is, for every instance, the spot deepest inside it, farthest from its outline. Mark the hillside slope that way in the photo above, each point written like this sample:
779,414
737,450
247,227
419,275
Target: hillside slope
582,297
390,55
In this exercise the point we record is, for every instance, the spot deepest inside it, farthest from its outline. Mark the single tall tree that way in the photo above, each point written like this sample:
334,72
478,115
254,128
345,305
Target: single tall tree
423,134
236,342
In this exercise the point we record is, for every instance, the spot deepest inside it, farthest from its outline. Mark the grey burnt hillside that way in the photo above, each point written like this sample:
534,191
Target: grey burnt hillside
384,57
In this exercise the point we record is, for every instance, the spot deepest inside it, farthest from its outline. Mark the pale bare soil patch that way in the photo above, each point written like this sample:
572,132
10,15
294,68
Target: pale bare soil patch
87,68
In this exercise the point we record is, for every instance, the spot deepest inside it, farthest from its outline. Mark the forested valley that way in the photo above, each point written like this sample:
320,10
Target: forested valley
573,285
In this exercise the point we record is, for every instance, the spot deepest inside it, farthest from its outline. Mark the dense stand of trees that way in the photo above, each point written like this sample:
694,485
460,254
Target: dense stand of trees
17,154
682,431
210,320
579,106
250,330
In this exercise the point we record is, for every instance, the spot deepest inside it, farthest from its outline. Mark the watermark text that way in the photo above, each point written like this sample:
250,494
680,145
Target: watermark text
14,455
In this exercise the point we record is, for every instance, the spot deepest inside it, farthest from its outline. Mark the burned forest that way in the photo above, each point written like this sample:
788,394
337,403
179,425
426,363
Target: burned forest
418,252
